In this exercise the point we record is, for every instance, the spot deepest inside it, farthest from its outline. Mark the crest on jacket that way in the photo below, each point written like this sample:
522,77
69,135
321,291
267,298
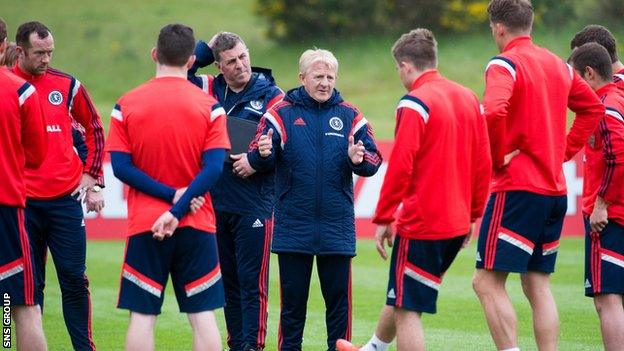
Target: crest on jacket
336,123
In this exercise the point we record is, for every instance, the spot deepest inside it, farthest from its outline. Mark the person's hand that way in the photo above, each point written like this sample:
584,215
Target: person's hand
94,201
510,156
197,203
241,166
468,236
265,143
356,151
599,217
384,232
86,182
164,226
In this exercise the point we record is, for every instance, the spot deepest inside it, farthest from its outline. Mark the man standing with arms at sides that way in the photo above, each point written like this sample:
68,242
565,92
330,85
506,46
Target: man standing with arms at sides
243,199
440,170
527,92
53,212
166,135
23,145
601,35
603,196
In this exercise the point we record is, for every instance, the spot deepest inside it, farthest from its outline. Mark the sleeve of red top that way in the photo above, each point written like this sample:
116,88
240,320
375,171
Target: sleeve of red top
34,135
499,86
589,111
482,170
84,112
117,133
612,149
217,135
410,131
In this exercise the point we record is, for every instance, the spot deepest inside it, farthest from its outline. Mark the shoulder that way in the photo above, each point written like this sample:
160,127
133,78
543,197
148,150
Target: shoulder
506,61
59,75
417,101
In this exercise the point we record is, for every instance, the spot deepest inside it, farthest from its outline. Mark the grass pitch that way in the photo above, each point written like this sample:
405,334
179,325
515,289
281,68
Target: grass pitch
459,324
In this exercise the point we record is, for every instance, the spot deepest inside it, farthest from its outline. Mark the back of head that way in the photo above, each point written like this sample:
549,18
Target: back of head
598,34
175,45
418,47
223,41
10,56
3,30
516,15
22,36
311,56
595,56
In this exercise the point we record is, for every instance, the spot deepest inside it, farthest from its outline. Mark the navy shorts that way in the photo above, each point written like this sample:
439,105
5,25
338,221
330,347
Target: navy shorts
520,232
604,260
416,271
16,264
190,255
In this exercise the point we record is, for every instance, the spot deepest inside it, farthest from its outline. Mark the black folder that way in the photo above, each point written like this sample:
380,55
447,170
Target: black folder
241,132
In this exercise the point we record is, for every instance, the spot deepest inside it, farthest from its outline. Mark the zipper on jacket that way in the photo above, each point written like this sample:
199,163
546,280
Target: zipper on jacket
319,180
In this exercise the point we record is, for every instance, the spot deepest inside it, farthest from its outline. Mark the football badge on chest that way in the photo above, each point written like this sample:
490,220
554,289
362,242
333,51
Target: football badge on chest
336,123
55,97
256,104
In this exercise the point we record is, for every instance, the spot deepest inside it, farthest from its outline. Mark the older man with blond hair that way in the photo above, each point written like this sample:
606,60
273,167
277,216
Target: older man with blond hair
315,141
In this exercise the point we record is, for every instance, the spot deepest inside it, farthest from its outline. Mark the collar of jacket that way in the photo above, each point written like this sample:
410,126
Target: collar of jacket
261,80
605,89
521,40
426,76
299,96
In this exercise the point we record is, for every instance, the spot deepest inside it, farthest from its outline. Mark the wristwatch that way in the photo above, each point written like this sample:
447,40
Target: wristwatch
96,189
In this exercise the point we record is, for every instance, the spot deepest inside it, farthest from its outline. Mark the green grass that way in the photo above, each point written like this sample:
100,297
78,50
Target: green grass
106,45
459,324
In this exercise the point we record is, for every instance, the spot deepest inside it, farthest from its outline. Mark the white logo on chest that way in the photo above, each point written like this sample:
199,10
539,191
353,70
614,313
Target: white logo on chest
53,128
336,123
55,97
256,104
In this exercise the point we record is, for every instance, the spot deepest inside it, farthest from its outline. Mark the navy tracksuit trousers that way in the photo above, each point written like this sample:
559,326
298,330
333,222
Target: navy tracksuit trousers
335,275
244,242
58,224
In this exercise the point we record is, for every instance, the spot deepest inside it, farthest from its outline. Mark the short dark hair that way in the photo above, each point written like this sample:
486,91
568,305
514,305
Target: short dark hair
595,56
599,34
517,15
22,37
418,47
224,41
176,43
3,30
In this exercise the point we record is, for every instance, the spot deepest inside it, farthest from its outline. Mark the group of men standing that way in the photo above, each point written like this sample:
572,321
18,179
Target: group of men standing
450,154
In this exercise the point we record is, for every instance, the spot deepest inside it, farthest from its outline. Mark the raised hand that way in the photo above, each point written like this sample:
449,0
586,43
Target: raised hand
265,144
356,151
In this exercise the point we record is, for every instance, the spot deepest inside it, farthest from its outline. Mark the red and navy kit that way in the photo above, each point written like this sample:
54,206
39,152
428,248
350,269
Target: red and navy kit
604,177
64,99
440,171
166,125
527,94
55,220
244,209
23,143
618,79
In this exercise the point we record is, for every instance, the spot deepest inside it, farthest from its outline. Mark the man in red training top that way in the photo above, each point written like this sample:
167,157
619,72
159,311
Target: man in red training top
23,145
527,92
603,196
440,171
54,214
167,135
601,35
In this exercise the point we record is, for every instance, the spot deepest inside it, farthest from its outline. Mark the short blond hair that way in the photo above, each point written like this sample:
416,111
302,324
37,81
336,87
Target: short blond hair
311,56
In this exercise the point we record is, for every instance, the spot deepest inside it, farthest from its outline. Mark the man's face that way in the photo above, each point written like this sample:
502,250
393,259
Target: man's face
403,69
319,81
36,58
235,66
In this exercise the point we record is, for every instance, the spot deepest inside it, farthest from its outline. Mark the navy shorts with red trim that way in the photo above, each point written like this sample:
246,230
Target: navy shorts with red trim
520,232
604,260
16,267
416,270
190,255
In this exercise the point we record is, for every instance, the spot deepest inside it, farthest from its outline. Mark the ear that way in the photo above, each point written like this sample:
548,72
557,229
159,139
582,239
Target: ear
154,55
499,29
4,45
190,61
589,73
301,77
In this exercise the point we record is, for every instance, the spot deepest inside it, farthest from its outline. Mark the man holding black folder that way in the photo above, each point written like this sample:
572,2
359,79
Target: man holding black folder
243,199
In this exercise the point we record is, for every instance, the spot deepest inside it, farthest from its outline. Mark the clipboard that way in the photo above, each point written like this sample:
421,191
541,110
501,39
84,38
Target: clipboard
241,132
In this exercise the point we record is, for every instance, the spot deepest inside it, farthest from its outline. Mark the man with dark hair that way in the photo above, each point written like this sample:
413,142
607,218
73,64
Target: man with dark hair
603,196
601,35
243,198
54,191
437,118
528,91
23,145
167,142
